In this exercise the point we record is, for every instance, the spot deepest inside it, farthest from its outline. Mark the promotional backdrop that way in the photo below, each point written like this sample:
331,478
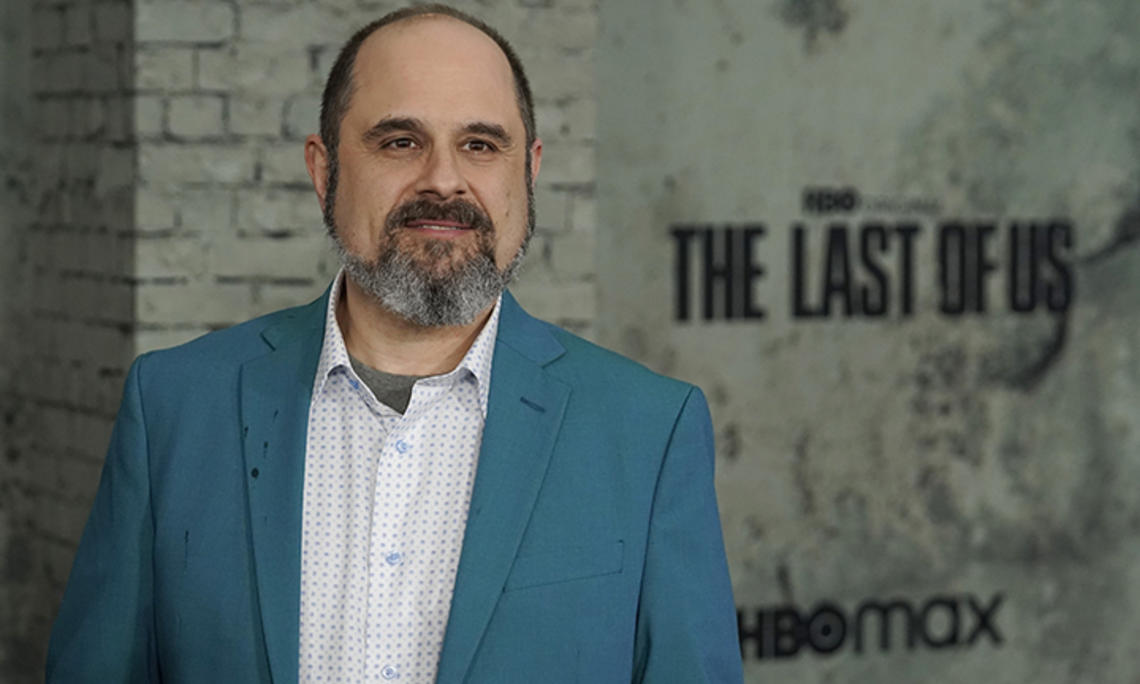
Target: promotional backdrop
898,245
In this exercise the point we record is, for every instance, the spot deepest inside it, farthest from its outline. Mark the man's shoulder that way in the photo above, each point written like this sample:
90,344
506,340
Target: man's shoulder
590,367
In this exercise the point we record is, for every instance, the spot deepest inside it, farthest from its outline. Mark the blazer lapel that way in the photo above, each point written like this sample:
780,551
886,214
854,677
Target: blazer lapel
525,409
275,392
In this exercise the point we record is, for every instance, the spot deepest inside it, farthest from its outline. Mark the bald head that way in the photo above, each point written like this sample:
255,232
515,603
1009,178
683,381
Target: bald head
342,81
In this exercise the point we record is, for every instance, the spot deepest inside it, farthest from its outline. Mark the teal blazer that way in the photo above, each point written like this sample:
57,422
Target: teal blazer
593,550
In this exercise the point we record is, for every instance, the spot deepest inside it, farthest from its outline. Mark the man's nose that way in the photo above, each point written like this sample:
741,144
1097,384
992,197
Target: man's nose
442,175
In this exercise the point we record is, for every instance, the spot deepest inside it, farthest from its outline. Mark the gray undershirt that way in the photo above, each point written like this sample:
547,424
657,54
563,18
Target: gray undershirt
394,391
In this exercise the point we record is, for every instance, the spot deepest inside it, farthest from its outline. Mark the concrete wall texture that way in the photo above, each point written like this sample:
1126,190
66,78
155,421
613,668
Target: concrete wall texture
155,190
933,473
909,492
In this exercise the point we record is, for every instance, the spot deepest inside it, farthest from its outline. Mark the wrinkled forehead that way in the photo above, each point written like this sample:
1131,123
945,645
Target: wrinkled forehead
434,65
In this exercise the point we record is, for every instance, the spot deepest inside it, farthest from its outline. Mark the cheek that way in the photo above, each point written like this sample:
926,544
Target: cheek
362,207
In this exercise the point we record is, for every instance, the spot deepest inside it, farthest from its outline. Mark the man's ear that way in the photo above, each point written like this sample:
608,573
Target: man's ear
317,162
535,161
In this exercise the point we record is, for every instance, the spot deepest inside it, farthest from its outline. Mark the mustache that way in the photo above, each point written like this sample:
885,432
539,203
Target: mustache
459,211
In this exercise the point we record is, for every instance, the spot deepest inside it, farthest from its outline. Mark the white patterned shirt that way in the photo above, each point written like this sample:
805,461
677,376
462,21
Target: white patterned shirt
385,506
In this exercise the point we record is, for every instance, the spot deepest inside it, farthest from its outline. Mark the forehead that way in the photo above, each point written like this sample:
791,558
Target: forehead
435,68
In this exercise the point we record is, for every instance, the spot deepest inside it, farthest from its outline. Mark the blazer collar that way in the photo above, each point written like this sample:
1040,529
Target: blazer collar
525,410
527,335
275,390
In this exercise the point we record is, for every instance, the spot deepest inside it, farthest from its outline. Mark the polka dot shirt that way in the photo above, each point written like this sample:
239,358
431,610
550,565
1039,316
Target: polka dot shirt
385,506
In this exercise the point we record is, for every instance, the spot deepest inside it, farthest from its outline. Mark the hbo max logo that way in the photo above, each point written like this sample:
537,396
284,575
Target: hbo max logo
939,622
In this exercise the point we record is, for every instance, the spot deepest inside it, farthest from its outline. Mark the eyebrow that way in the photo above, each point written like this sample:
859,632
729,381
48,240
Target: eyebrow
489,130
409,124
395,124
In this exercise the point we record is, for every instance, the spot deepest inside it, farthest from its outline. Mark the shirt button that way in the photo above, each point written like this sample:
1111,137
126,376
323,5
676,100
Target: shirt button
389,672
402,446
394,558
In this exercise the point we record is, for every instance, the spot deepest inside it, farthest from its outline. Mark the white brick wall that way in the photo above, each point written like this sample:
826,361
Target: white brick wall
226,107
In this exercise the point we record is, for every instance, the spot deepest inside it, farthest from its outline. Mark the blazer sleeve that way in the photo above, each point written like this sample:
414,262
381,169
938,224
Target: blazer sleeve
686,625
104,629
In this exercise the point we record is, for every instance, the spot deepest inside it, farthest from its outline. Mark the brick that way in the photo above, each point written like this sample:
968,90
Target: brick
121,119
302,116
113,22
60,72
153,210
164,68
295,257
183,22
192,163
278,210
270,297
572,256
565,301
567,164
88,119
256,115
88,252
150,115
81,160
116,170
554,31
583,213
196,304
196,116
308,23
554,76
206,211
106,301
284,163
54,117
47,27
101,70
77,25
567,121
167,257
254,70
552,207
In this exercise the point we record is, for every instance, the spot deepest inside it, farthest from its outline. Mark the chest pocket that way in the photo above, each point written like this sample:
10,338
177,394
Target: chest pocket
564,565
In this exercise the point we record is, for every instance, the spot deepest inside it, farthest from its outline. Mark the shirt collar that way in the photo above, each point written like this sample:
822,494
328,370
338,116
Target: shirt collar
477,360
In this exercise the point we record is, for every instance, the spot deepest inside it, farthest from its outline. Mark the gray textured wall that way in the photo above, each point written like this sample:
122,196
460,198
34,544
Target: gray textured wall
68,257
14,58
160,193
908,457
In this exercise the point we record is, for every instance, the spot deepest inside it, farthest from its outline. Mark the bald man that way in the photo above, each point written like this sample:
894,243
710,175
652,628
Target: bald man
409,479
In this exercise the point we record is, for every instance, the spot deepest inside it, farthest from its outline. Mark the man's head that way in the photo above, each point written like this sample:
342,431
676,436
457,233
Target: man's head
425,163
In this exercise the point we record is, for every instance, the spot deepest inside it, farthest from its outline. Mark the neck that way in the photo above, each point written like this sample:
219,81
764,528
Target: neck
391,343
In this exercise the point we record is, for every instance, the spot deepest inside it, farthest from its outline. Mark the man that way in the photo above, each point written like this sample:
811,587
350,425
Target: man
409,479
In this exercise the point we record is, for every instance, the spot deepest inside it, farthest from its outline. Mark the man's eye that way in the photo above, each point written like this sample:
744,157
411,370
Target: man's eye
400,144
479,146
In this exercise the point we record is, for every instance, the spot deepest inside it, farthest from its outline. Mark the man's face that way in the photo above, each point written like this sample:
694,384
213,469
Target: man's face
431,196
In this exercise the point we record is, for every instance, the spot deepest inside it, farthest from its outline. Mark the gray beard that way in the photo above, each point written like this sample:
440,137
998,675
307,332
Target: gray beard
405,288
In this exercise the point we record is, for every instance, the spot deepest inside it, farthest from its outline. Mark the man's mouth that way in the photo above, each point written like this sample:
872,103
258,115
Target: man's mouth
437,224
